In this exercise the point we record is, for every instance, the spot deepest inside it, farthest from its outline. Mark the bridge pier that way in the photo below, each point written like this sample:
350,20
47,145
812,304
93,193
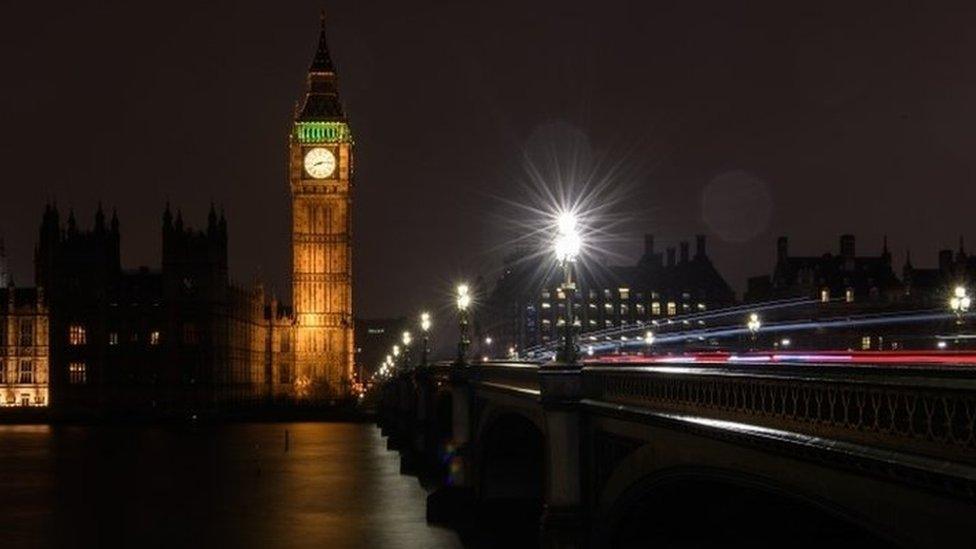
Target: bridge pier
563,520
454,499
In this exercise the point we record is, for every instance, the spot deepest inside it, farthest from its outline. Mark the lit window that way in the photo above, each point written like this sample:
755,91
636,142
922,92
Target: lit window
656,308
825,295
77,373
606,294
154,337
113,338
849,295
608,323
672,308
608,307
560,294
77,335
592,322
701,306
593,305
640,309
545,294
546,305
624,293
866,343
624,309
26,372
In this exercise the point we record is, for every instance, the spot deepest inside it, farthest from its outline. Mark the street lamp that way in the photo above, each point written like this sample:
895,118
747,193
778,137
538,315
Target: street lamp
406,339
424,329
959,302
463,303
567,246
753,324
648,340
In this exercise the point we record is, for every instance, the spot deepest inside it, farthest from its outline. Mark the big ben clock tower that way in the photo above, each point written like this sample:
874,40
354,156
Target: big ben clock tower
320,171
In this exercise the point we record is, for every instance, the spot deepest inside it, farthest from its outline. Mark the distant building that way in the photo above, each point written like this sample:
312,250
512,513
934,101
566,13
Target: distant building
374,339
181,338
526,307
933,285
845,286
828,277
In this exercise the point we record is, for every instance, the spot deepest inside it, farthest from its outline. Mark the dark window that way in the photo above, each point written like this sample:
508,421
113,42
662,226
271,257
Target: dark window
285,373
26,332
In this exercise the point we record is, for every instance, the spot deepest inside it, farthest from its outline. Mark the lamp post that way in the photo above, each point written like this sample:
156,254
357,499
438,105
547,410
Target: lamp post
396,356
406,339
463,303
959,303
648,340
425,342
753,324
567,245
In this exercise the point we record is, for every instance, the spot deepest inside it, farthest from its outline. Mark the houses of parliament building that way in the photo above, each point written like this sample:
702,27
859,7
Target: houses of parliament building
91,336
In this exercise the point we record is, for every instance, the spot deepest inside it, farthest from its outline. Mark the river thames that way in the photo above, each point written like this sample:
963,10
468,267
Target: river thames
231,485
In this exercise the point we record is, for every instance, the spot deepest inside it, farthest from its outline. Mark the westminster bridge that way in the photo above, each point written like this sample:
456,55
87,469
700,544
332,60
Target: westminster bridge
614,456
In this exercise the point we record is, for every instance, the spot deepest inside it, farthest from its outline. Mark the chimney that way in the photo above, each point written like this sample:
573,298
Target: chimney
684,252
700,246
671,257
648,244
782,249
847,246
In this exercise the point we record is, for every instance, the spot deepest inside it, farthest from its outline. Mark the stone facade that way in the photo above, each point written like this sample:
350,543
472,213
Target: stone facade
23,347
320,175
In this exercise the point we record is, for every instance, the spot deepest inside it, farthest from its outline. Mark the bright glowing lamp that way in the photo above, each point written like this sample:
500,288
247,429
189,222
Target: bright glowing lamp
463,297
425,321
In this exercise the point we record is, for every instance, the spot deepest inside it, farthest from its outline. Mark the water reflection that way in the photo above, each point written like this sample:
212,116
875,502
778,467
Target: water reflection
232,485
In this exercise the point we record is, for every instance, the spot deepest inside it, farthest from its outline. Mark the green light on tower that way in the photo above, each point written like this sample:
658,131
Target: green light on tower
323,132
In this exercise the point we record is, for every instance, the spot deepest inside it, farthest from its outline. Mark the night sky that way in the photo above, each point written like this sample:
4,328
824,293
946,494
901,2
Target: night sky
742,122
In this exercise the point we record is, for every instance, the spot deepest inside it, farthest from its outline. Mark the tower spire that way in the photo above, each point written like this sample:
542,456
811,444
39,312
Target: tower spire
323,60
321,96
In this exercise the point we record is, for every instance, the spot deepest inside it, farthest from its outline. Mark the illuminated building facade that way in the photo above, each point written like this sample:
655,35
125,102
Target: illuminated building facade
320,175
23,343
524,309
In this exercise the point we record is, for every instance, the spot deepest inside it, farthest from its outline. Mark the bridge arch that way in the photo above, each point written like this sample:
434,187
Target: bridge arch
510,476
703,476
510,459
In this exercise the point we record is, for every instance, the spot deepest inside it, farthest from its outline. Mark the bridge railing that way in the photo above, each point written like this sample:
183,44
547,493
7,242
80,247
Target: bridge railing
927,412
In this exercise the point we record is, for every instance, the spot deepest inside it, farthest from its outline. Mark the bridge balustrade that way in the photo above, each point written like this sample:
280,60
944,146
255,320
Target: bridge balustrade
931,414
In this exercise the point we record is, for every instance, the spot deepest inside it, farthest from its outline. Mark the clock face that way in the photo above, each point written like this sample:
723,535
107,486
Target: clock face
320,162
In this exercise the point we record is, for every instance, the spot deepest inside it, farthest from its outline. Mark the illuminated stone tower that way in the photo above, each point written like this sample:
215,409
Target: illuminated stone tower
320,171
